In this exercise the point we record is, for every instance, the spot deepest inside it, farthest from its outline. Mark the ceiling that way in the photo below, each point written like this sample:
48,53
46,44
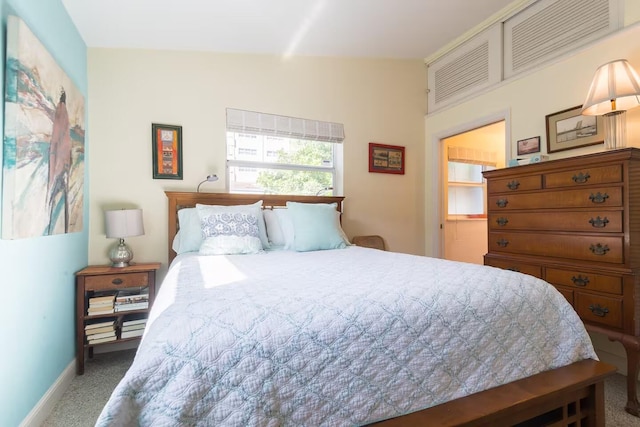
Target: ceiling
347,28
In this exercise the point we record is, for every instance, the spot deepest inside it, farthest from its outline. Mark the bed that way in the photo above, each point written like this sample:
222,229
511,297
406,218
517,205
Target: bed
352,336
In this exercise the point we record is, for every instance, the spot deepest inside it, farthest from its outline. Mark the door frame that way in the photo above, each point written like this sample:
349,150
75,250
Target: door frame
436,164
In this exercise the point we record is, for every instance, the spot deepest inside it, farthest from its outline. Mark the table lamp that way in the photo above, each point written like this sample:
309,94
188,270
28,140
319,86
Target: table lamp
615,88
119,224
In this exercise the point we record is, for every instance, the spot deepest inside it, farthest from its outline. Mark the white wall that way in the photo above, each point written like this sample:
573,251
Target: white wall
376,100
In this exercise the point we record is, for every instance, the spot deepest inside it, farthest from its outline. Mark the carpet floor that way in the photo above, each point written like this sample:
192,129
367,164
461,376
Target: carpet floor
82,402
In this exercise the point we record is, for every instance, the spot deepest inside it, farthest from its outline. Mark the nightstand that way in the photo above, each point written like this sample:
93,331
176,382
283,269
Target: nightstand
109,299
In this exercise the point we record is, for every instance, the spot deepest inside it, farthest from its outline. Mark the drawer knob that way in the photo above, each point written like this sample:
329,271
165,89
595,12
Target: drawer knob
599,249
598,197
598,310
117,281
517,270
502,221
580,281
581,178
599,222
502,243
513,185
502,203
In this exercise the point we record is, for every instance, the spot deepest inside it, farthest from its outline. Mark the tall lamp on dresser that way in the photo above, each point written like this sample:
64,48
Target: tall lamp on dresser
575,223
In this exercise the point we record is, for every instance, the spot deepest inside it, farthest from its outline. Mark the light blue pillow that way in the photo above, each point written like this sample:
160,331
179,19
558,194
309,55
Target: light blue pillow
189,237
228,233
316,226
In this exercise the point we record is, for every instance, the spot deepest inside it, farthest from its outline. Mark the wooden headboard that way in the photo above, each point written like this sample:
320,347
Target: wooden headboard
180,200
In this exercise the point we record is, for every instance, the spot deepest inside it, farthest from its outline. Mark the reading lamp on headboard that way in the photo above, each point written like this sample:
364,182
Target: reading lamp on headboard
210,178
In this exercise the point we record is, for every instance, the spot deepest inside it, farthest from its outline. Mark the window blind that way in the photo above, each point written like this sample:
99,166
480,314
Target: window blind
471,155
284,126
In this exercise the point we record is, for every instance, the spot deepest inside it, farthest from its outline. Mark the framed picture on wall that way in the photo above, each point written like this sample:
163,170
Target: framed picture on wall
569,129
166,141
529,146
386,158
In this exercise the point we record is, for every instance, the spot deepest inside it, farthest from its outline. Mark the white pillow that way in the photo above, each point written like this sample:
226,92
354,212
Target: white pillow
189,236
227,233
255,209
286,225
274,230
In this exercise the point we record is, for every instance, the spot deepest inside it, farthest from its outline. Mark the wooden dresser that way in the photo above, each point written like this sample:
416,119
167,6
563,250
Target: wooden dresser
576,223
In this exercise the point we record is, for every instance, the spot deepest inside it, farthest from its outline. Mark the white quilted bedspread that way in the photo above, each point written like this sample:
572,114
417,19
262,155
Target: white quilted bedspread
336,338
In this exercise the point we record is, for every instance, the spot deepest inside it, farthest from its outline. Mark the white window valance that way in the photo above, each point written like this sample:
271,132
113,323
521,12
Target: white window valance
284,126
471,155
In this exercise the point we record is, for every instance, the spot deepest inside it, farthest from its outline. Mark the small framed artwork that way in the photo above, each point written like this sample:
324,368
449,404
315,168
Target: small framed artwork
167,151
386,158
529,146
568,129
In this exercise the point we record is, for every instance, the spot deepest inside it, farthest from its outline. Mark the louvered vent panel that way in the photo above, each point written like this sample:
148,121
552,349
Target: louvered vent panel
463,73
558,27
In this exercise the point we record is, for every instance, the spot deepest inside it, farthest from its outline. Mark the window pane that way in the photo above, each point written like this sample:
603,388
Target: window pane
278,181
274,149
466,200
465,172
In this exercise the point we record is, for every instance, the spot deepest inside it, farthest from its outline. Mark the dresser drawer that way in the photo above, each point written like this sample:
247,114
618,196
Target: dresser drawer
531,182
585,280
584,176
107,281
532,270
590,221
578,198
603,248
599,309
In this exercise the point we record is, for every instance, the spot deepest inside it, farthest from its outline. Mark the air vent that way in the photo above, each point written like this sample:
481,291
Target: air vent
551,28
465,70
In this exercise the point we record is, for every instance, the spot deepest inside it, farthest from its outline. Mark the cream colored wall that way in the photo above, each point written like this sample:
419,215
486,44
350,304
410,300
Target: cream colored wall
528,100
376,100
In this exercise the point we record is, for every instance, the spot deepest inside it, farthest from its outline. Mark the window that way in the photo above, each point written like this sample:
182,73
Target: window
466,187
281,155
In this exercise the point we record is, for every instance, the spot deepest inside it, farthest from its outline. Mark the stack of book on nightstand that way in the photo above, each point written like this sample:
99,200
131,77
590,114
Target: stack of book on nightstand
132,299
101,331
133,326
100,304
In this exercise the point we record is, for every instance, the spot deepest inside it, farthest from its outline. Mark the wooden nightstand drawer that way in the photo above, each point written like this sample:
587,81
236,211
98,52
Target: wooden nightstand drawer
599,309
584,176
585,280
111,281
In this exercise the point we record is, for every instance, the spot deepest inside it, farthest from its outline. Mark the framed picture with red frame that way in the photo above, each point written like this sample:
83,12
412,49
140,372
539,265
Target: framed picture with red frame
385,158
167,151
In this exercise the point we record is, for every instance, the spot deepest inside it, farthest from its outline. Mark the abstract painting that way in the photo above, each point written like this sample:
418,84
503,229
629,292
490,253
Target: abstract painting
44,140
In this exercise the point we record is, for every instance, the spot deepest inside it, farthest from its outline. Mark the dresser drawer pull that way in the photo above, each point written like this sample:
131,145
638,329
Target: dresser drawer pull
502,203
581,178
580,281
117,281
502,243
599,222
517,270
598,197
599,249
513,185
599,310
502,221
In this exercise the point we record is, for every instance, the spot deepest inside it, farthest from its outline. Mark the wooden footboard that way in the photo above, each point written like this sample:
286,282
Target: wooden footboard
569,396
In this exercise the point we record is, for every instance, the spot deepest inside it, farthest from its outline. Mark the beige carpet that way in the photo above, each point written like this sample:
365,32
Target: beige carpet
87,394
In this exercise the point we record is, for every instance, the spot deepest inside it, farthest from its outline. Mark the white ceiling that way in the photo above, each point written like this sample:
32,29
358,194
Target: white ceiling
353,28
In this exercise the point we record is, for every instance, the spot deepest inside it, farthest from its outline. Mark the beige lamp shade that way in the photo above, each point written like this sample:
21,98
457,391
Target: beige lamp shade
615,87
123,223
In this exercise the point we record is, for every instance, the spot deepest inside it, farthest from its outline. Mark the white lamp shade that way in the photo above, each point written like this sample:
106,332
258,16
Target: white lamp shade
123,223
614,81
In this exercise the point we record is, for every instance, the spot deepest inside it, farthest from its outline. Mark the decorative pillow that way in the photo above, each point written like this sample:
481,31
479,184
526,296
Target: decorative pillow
255,209
286,225
316,226
274,230
189,236
227,233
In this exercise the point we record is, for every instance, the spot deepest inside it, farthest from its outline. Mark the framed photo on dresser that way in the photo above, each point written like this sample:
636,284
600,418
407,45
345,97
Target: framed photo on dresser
569,129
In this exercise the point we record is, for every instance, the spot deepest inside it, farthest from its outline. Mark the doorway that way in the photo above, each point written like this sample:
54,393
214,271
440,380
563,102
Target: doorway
463,203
